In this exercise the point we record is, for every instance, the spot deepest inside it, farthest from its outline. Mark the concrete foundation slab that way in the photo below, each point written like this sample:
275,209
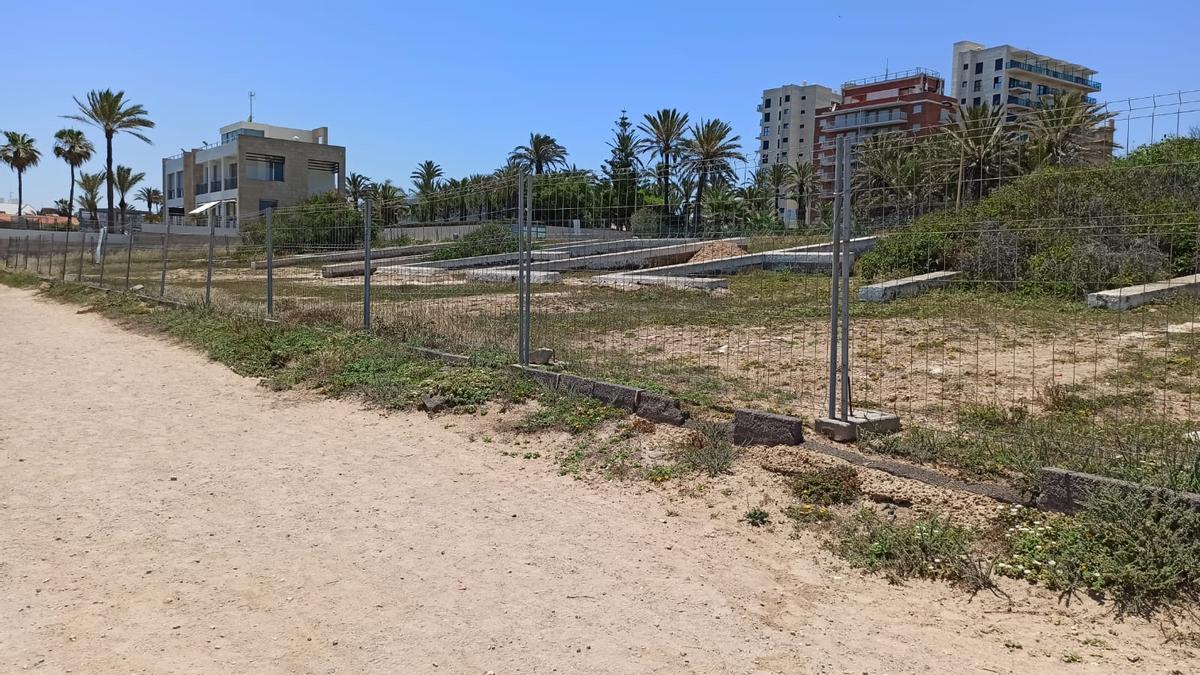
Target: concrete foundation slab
754,427
870,421
411,272
509,275
1141,294
659,255
341,256
906,287
703,283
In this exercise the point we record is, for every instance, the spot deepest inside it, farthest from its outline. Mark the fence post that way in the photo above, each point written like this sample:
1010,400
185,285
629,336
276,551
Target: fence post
82,250
102,248
62,273
162,274
835,285
128,255
528,263
212,233
847,261
37,257
270,262
367,265
522,356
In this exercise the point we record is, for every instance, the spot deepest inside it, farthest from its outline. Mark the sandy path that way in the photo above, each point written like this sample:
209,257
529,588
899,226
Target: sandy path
160,514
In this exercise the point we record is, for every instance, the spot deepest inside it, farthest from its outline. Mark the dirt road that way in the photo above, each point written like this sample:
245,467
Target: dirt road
160,514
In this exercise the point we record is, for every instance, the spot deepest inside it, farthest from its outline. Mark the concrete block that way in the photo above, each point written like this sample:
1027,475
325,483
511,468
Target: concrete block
870,421
1067,491
622,279
541,357
1141,294
754,427
452,359
905,287
411,272
576,385
509,275
546,378
617,395
659,408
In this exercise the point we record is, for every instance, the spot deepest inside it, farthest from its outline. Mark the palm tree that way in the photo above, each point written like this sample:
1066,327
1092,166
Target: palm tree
981,147
389,198
90,184
19,152
709,149
804,185
151,196
665,132
72,147
356,187
543,152
126,181
64,207
110,112
1070,130
425,179
776,179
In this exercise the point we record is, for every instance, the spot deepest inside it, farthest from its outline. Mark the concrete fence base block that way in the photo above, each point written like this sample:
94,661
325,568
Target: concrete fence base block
546,378
659,408
452,359
1067,491
617,395
869,421
576,385
754,427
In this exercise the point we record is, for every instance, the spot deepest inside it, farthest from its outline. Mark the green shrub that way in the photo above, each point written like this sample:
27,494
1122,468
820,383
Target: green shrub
569,412
318,223
489,239
711,451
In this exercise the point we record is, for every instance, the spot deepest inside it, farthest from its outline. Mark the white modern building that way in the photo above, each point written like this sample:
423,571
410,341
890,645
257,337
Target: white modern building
1018,78
254,167
787,119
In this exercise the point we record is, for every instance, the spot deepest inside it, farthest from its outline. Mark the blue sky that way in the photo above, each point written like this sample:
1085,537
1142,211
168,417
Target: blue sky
462,83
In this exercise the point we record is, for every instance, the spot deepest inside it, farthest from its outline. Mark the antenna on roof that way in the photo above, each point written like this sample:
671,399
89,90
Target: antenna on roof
251,107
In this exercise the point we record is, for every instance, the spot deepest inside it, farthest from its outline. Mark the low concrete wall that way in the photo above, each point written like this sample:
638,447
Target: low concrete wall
629,280
755,427
339,256
192,231
1067,491
650,405
509,275
1141,294
906,287
632,258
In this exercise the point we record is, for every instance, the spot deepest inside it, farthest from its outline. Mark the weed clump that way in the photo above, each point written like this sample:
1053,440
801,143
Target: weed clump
710,450
569,412
828,486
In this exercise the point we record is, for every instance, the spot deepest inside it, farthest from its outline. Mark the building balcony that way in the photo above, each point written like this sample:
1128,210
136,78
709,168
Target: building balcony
1019,85
1023,102
231,183
214,186
864,121
201,188
1056,74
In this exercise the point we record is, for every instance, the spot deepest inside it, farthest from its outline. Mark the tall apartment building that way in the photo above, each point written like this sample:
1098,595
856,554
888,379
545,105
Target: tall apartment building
788,118
1014,77
788,124
910,102
254,167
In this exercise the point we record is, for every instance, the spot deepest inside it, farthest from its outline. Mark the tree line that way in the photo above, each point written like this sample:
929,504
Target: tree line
112,114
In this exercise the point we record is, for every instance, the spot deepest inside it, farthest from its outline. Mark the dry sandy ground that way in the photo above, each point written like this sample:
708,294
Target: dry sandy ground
160,514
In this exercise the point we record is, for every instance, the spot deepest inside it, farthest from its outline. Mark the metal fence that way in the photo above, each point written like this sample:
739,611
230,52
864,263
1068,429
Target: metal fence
968,285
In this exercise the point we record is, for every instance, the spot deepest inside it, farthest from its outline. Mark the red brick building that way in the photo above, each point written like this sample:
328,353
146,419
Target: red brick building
911,101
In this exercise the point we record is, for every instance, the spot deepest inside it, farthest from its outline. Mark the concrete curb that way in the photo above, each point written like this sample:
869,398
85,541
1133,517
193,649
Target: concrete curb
1066,491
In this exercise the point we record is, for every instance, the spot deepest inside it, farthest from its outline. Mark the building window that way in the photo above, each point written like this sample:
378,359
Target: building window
766,131
979,67
966,66
785,126
766,117
995,99
976,101
785,140
996,82
964,84
962,101
916,108
999,64
977,85
264,167
783,155
787,98
803,97
764,160
786,112
766,145
767,103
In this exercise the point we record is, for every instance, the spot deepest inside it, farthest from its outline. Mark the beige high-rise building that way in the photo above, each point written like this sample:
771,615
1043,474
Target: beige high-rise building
1017,78
787,119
